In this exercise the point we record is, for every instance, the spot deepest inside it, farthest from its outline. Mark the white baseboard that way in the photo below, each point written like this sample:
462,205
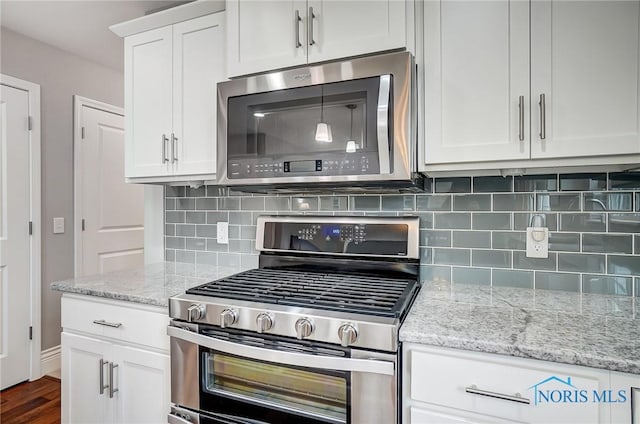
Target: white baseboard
50,360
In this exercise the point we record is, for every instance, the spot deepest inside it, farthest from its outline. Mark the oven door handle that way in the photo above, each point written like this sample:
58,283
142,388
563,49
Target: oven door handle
285,358
382,124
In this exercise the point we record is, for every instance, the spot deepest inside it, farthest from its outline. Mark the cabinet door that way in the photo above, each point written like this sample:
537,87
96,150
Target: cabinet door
264,35
143,380
147,103
198,63
476,70
584,59
353,27
81,372
629,410
427,415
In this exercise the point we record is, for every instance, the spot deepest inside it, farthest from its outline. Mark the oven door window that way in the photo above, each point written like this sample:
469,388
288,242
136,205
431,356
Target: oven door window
341,128
321,396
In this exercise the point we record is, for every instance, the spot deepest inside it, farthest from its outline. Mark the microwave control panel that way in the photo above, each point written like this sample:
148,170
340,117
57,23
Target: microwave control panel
352,164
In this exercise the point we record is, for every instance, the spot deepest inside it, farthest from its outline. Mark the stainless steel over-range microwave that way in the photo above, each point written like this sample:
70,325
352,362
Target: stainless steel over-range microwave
347,124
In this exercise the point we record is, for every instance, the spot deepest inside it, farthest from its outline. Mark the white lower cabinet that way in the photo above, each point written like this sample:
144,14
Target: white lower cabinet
443,385
105,377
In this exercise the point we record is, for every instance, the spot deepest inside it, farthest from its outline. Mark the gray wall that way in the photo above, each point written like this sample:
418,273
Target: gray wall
472,230
60,75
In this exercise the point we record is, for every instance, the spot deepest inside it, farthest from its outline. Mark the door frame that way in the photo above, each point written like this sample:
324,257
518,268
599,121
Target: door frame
78,103
35,242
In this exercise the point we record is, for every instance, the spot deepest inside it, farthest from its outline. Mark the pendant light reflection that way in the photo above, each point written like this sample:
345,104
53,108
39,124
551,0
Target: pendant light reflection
351,143
323,130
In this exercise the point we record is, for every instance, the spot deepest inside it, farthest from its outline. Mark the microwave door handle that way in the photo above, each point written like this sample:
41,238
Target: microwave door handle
285,358
382,123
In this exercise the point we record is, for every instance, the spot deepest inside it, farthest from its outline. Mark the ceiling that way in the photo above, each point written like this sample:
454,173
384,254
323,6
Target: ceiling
80,27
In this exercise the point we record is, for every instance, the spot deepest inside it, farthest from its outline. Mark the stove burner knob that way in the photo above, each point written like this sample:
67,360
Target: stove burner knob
264,321
228,317
348,334
304,328
195,312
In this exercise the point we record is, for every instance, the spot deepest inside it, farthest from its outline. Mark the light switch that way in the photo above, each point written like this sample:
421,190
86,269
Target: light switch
223,232
58,225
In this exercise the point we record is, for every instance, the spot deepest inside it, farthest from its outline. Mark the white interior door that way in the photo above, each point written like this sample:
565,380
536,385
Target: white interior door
113,212
14,236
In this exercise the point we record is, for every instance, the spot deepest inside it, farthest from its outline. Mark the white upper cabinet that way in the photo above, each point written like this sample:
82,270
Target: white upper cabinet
584,60
147,103
265,35
268,35
476,80
198,65
502,94
349,28
171,76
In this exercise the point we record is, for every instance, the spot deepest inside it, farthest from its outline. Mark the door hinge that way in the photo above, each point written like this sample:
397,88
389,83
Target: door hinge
30,333
30,123
82,133
30,228
82,224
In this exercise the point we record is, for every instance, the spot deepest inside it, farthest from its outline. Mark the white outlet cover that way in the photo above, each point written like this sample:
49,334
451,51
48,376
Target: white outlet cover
537,242
223,232
58,225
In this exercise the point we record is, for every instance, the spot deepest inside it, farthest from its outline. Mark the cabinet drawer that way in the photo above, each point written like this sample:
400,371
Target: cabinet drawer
467,381
135,324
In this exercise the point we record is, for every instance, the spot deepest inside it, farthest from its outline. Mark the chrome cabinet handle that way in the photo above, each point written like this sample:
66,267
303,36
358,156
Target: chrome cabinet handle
634,404
297,23
521,118
102,385
107,324
174,142
312,16
165,140
283,357
517,398
543,118
112,389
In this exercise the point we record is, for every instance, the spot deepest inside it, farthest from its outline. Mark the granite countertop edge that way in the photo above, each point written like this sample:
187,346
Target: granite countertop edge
527,324
562,356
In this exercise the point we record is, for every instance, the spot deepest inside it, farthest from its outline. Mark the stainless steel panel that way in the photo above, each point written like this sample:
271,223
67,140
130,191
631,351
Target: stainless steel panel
185,372
283,357
399,65
374,397
412,222
374,332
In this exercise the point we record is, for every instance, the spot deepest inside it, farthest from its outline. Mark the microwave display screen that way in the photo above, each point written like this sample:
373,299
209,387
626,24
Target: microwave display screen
327,129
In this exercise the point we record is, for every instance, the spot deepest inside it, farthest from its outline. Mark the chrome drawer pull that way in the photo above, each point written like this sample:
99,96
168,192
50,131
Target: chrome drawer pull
517,398
543,117
107,324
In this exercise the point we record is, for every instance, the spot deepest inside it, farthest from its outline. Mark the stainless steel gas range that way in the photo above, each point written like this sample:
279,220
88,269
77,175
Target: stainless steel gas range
311,336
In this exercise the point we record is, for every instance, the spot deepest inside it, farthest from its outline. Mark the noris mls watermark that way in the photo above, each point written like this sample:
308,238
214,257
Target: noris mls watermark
554,390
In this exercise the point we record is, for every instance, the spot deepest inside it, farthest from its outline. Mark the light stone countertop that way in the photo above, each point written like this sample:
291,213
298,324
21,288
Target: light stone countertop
592,330
149,284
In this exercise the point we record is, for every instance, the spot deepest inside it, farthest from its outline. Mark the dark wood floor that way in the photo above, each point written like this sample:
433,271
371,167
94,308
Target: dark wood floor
37,402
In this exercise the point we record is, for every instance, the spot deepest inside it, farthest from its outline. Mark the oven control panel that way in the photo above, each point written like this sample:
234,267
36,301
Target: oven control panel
337,237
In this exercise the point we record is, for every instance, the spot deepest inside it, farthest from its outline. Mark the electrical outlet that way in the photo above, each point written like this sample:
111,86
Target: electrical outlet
58,225
223,232
537,242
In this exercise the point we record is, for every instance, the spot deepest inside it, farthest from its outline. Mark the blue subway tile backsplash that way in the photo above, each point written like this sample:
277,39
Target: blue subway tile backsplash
472,230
